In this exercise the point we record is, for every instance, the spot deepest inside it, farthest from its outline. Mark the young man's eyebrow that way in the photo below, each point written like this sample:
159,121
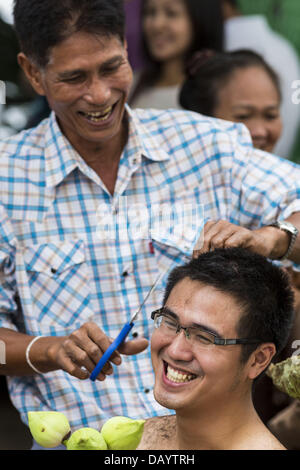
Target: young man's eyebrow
194,325
108,63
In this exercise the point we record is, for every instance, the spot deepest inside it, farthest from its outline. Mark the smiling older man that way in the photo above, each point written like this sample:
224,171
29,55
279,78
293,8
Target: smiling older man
224,317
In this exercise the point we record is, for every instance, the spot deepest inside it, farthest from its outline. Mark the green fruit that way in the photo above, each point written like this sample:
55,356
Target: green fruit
48,428
286,376
123,433
86,439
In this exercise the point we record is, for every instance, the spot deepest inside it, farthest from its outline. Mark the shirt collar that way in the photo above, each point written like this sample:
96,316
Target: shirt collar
141,141
61,158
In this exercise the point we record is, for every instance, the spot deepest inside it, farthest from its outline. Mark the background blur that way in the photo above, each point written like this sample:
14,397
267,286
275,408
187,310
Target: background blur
22,104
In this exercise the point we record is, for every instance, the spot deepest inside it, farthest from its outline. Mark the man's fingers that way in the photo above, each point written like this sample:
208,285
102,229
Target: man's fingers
83,349
134,346
99,343
222,234
68,365
215,234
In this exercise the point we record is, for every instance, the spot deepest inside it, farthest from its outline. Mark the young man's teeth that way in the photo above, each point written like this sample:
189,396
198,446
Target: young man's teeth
178,377
96,117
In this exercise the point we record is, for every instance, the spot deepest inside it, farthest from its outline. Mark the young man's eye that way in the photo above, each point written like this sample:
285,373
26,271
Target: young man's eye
170,324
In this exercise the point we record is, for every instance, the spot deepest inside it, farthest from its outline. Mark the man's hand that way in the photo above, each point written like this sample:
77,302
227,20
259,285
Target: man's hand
267,241
79,352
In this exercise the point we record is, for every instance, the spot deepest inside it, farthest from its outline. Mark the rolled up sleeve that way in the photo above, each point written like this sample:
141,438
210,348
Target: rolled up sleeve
266,188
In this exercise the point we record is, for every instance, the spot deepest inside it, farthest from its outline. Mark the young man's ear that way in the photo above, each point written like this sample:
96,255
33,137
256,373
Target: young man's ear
260,359
32,73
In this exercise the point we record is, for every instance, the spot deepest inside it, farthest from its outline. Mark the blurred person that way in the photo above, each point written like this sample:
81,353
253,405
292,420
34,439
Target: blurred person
253,32
225,316
236,86
172,31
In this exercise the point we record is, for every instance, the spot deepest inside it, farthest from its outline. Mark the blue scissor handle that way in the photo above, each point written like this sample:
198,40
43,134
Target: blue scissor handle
114,345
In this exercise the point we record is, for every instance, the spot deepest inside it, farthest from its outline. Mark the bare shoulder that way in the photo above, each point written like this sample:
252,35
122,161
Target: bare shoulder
159,433
262,441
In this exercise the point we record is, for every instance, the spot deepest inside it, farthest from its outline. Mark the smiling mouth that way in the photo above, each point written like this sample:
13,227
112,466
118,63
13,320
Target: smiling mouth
177,375
98,116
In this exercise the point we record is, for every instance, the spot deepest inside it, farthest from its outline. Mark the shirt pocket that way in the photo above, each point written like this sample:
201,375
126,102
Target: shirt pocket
174,243
59,285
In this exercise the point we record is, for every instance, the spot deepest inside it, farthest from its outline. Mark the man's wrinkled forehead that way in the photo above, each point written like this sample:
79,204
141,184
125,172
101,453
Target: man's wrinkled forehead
104,41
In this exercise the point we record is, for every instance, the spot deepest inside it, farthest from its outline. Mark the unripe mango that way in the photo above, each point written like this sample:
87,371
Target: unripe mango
86,439
122,433
48,428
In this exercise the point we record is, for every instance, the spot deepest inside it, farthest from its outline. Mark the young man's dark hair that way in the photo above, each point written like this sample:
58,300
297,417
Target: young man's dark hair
261,288
41,25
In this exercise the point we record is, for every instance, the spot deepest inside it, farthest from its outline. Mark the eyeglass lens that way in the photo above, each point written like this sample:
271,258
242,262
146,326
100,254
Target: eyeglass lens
169,326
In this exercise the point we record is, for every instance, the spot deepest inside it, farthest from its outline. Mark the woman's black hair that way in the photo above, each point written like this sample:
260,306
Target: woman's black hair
208,28
208,72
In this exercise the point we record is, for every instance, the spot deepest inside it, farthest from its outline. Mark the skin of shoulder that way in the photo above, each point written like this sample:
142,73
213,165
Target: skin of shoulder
159,434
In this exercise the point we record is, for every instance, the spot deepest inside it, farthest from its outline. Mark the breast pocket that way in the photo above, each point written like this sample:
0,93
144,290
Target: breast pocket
59,284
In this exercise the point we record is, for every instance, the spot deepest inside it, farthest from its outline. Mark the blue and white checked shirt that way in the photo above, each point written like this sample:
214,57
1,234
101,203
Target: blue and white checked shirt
64,251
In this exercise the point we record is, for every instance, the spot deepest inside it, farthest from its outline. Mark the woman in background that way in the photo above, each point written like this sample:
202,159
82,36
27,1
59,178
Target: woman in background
236,86
172,31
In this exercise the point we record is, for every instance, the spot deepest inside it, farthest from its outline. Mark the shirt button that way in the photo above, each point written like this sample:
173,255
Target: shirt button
147,390
125,274
135,334
53,270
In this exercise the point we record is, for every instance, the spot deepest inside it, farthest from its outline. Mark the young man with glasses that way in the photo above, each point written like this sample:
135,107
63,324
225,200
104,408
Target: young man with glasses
225,316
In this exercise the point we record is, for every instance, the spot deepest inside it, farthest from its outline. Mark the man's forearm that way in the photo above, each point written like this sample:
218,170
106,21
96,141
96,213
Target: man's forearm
15,345
279,240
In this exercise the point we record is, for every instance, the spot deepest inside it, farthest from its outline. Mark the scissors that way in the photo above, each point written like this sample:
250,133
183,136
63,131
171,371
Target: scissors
121,336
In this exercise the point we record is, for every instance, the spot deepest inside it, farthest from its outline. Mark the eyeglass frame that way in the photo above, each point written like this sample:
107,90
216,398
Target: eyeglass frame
217,340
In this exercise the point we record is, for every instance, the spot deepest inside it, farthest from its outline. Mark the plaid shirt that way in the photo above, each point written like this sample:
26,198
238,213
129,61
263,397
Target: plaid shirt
67,258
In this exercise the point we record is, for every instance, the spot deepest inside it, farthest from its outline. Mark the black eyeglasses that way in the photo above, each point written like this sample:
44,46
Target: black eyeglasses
170,327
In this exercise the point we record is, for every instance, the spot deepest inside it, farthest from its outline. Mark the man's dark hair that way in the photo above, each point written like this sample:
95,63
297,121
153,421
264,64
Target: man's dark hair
261,288
42,24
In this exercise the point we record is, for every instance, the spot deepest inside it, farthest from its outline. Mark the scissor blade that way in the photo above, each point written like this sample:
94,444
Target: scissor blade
146,298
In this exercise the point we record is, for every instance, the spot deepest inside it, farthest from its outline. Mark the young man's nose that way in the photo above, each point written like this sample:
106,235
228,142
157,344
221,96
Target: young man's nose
180,347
